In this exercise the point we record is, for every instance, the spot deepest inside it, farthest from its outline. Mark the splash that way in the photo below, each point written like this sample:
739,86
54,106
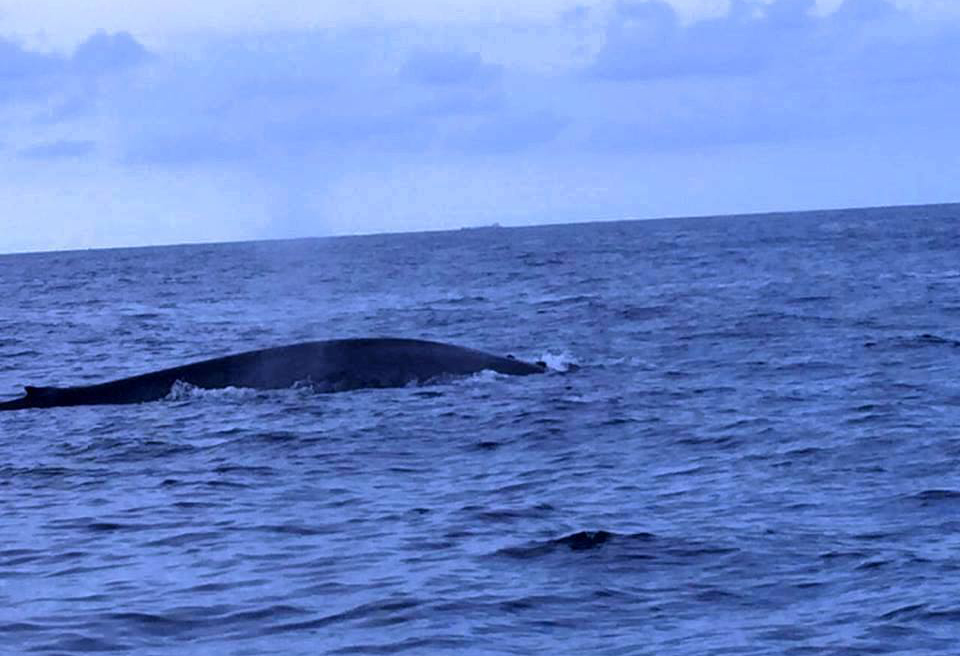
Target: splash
563,361
181,391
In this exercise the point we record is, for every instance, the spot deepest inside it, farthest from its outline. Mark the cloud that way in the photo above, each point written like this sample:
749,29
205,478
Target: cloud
158,22
770,73
646,40
186,149
627,109
510,133
449,68
764,71
320,96
44,89
24,73
865,10
576,15
102,52
65,148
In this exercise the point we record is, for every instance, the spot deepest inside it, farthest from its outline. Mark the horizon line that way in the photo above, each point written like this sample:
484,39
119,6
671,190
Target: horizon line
490,226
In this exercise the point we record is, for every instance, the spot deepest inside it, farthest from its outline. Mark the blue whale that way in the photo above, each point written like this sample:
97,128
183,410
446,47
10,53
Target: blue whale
328,366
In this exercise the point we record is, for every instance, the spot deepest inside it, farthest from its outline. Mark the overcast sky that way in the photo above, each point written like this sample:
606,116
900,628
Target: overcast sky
129,123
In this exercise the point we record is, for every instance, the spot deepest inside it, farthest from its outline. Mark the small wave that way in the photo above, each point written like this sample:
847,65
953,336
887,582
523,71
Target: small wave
39,471
923,340
456,299
507,515
220,586
951,615
416,645
809,299
187,538
246,469
935,340
225,484
686,471
875,537
644,313
804,452
387,611
152,624
78,643
288,529
111,450
921,612
428,394
809,365
842,555
28,353
936,494
531,260
22,627
911,611
97,526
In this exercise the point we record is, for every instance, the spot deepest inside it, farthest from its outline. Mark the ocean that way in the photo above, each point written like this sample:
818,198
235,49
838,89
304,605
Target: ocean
748,443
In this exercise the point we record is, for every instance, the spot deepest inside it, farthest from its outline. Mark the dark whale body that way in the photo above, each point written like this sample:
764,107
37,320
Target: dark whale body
333,365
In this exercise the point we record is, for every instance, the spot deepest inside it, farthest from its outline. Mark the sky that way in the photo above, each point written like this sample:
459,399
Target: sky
132,123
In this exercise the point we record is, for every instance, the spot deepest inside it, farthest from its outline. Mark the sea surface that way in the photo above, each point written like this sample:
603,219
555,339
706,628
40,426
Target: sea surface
748,443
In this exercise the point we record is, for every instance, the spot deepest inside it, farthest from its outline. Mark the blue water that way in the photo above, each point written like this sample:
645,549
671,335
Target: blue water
758,453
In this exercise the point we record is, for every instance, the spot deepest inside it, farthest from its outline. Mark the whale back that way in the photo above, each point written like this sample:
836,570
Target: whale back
38,392
329,366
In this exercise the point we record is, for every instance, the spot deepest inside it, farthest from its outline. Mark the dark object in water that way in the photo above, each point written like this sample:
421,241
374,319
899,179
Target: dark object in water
330,366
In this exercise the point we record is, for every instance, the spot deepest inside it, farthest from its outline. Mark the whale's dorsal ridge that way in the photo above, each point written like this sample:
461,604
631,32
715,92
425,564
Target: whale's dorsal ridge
335,365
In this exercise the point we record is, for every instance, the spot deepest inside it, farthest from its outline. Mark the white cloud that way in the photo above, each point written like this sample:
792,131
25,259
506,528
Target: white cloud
61,24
